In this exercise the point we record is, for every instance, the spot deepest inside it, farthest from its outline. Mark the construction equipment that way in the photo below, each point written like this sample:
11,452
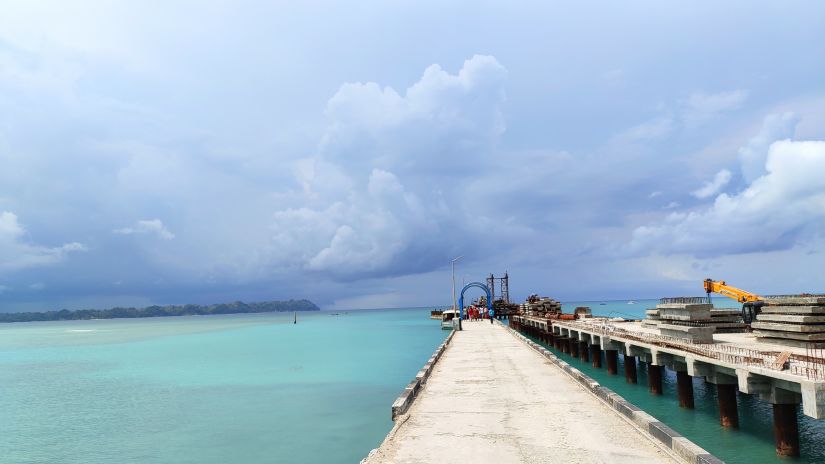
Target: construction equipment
751,303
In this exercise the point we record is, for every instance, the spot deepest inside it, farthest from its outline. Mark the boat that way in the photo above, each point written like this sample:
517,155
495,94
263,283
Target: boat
449,319
436,314
631,302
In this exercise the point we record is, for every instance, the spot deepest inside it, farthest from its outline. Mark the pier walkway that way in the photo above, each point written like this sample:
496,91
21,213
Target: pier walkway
492,399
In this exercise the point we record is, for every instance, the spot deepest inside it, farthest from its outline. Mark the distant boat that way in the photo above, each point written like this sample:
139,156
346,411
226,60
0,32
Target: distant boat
631,302
603,304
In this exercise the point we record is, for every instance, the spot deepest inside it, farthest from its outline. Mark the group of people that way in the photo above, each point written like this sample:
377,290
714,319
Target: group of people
477,314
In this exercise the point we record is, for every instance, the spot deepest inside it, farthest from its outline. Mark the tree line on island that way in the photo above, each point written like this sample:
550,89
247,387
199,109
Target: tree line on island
237,307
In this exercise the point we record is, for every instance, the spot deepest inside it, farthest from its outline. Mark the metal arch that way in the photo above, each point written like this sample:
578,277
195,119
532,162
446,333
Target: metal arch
477,285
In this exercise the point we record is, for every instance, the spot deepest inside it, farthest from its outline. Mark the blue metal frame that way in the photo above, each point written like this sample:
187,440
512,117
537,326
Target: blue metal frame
477,285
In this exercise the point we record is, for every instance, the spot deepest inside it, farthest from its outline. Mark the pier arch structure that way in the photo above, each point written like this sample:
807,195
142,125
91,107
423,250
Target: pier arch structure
477,285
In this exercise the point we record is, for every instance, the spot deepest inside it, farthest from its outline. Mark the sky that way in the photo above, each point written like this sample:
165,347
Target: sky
211,151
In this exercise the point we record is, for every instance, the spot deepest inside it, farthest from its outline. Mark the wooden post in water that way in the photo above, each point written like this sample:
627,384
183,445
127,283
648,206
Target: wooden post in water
295,314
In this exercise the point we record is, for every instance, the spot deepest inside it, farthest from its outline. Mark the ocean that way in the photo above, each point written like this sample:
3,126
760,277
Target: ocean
250,388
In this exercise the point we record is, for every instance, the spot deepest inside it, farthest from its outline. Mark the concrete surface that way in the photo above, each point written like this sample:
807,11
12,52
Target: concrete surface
492,399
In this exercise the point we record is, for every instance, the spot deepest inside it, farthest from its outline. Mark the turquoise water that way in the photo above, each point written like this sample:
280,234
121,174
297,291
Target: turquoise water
636,310
214,389
752,443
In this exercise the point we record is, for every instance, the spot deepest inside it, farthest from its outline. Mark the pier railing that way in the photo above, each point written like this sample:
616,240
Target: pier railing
811,365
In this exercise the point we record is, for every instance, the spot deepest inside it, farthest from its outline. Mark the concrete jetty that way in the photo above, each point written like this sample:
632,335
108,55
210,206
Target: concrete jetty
737,363
490,398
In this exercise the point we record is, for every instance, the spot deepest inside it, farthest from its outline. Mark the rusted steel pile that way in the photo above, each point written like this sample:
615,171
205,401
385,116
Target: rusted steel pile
792,320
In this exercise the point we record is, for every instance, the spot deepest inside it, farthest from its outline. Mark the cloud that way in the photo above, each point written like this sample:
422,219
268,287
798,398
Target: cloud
701,108
16,253
381,186
713,187
752,156
147,226
441,122
781,209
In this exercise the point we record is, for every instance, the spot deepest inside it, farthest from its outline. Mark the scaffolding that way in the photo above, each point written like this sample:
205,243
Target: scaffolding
504,286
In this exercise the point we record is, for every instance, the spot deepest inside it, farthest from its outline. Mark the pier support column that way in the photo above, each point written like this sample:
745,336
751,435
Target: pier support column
565,345
684,384
596,355
786,429
612,357
584,354
574,347
654,379
630,369
728,413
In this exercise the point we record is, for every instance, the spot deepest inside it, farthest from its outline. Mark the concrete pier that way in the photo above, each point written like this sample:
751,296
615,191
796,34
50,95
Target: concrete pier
788,377
492,399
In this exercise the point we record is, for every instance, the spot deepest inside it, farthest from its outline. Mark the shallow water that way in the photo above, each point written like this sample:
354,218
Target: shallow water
213,389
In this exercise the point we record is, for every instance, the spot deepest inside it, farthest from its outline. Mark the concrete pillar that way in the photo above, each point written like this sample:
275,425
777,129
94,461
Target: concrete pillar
728,414
654,379
574,347
584,354
786,429
565,345
612,357
684,384
596,355
630,369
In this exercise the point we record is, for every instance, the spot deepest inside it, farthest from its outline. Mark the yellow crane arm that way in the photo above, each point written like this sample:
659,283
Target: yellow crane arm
720,287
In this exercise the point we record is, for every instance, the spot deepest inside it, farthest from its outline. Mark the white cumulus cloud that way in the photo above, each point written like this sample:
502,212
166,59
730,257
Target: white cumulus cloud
713,187
752,156
377,198
17,253
776,211
147,226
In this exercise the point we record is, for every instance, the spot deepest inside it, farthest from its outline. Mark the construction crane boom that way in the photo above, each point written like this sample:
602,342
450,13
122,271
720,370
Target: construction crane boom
752,303
722,288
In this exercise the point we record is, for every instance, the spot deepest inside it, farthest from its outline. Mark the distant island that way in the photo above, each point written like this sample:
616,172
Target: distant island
237,307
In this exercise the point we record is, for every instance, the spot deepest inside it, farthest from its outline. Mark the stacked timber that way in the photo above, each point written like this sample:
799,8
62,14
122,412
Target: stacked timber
791,320
686,318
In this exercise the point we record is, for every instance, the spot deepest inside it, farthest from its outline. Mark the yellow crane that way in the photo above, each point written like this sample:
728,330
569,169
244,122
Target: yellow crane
751,302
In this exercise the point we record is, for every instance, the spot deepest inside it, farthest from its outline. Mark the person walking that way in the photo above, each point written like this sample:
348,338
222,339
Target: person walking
491,313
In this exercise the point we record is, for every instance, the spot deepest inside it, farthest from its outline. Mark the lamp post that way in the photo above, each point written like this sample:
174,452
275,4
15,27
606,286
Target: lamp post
452,265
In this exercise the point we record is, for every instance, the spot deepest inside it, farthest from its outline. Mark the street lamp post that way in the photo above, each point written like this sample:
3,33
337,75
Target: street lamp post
452,264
